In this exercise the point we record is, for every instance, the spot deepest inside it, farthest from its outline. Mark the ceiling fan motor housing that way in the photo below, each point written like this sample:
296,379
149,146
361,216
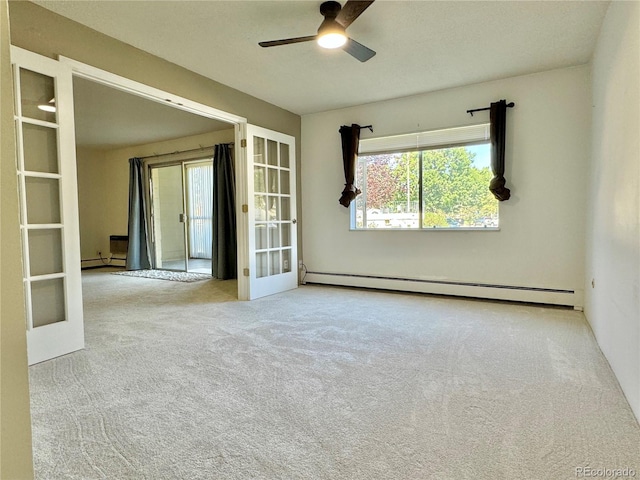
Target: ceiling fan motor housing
330,9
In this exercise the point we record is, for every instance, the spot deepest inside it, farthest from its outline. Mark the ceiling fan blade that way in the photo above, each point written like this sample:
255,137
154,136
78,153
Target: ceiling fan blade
352,10
287,41
357,50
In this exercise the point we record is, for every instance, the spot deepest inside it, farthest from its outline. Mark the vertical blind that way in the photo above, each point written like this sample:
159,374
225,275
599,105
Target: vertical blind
200,209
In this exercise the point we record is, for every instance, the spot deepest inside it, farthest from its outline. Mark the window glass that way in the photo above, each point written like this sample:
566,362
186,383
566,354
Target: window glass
455,186
426,188
391,197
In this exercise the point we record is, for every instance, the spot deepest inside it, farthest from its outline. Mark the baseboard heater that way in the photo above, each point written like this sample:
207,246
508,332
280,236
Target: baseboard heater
91,263
516,293
119,245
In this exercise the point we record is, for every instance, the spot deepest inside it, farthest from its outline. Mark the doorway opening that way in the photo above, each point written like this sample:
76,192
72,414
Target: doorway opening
190,229
181,204
264,240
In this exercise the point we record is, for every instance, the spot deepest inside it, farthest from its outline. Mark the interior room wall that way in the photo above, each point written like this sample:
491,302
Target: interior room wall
92,201
540,242
103,187
37,29
613,233
15,417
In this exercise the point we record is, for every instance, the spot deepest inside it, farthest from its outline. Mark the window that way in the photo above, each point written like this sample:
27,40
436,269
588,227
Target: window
430,180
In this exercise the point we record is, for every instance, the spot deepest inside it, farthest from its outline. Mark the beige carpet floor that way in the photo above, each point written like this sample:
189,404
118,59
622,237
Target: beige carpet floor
182,381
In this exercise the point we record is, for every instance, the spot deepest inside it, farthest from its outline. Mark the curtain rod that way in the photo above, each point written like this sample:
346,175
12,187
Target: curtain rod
470,112
184,151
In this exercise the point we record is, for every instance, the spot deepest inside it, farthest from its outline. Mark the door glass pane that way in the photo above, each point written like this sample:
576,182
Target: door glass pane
274,263
273,180
260,179
261,264
37,96
286,261
43,200
45,251
285,203
40,148
258,150
286,234
261,237
47,302
284,182
260,207
272,152
284,155
169,230
274,208
274,235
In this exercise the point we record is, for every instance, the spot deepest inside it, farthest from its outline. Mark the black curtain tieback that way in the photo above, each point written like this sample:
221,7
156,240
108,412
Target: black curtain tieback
349,194
497,187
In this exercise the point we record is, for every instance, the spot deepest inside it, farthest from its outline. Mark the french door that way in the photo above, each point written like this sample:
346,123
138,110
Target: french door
271,212
48,205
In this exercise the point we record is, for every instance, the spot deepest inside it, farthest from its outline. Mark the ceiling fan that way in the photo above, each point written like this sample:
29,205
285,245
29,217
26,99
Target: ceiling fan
332,31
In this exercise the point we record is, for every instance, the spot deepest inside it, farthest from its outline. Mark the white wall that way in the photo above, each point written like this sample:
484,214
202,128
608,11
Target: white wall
15,417
540,243
613,234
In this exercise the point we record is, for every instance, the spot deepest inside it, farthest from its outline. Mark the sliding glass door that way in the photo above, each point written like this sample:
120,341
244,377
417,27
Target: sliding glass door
182,215
199,199
168,218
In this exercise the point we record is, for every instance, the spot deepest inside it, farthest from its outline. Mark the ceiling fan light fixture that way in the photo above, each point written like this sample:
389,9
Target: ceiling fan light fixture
332,40
331,34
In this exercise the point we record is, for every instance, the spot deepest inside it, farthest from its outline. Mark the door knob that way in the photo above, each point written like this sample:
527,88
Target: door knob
294,221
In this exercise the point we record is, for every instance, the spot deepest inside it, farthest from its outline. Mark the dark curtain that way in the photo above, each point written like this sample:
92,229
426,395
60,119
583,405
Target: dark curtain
498,119
138,257
350,139
224,249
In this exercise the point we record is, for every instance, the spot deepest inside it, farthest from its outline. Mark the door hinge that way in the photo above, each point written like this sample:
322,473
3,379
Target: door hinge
243,143
245,208
246,272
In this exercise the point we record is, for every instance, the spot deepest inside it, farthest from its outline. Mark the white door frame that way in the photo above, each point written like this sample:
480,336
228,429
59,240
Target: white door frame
118,82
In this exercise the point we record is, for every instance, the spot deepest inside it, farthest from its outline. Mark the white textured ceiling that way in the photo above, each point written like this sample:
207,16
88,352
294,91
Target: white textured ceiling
421,46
